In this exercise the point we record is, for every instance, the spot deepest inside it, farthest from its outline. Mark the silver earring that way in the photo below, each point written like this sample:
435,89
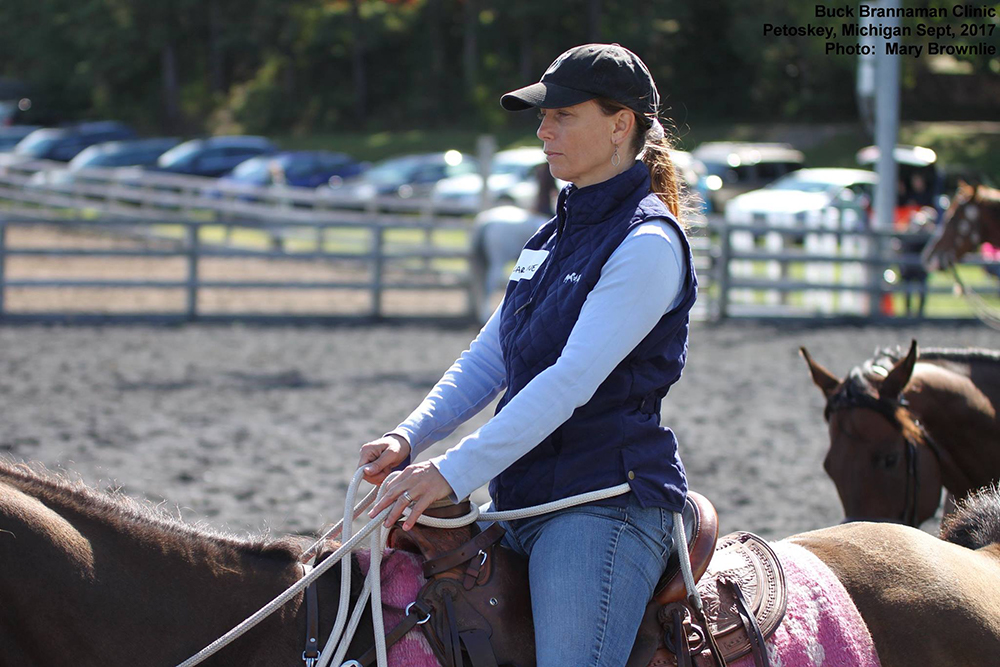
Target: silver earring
616,159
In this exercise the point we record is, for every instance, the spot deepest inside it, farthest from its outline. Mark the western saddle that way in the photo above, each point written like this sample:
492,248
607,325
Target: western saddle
475,608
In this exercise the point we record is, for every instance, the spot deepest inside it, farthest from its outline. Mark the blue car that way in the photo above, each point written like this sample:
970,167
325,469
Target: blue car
407,176
135,153
306,169
65,143
213,156
138,152
11,135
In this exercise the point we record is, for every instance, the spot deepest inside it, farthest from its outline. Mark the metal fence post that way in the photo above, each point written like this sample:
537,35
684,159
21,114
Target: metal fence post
192,279
876,253
3,256
722,276
378,260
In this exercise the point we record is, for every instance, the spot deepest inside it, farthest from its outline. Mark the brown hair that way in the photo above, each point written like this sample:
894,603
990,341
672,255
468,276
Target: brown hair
664,181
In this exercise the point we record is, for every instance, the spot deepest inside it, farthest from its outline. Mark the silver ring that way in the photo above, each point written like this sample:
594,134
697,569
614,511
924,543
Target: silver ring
406,494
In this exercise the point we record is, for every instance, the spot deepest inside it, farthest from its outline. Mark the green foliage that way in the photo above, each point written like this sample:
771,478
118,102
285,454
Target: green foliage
307,66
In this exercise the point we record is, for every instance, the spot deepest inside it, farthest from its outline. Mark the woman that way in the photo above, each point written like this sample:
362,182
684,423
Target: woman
590,335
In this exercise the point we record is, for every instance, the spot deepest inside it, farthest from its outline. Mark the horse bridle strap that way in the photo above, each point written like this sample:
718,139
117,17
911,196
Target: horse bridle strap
854,398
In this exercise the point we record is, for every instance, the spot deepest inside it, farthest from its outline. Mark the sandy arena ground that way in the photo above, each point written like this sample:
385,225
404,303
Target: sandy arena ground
251,429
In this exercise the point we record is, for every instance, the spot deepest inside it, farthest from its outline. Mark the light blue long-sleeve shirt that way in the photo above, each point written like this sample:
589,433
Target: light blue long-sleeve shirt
642,280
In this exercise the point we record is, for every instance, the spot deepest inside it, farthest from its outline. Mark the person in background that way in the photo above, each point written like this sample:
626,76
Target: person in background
591,334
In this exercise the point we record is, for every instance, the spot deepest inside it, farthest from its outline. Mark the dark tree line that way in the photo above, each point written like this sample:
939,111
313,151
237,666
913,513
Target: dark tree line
334,65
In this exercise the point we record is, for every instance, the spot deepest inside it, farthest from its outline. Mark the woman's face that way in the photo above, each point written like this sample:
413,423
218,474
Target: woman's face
579,142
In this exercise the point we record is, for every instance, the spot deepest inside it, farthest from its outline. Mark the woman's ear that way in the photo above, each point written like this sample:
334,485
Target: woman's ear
624,123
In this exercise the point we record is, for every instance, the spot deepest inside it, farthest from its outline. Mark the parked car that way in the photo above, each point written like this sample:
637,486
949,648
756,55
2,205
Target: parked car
65,143
213,156
511,180
306,169
920,181
692,172
794,195
732,168
407,176
10,135
137,152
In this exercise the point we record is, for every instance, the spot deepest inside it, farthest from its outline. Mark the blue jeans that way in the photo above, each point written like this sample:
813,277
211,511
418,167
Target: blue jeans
592,571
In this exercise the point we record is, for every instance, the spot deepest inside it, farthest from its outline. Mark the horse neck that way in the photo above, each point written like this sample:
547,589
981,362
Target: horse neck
989,210
957,413
144,585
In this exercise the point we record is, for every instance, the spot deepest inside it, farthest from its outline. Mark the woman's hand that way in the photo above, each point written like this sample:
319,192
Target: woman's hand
416,486
380,456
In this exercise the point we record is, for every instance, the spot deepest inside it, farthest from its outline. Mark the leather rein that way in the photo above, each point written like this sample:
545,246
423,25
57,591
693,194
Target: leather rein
854,397
311,653
986,313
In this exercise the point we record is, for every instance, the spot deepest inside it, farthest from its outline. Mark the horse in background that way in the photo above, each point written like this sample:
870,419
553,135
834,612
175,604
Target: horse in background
972,218
498,236
902,426
92,579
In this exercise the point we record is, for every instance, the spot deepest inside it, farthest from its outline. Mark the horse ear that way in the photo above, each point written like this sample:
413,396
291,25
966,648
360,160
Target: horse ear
822,378
900,374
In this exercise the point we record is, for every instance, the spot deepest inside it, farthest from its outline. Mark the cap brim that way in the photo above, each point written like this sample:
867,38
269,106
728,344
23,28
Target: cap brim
543,95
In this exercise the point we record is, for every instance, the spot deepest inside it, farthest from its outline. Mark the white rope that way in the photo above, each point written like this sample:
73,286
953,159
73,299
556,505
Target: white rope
281,599
372,585
292,590
477,513
680,537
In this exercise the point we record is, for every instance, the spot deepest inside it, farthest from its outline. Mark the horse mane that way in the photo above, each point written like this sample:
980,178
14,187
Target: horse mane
957,354
976,523
132,516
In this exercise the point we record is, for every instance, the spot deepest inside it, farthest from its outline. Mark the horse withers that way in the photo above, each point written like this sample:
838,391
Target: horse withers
90,579
972,218
902,426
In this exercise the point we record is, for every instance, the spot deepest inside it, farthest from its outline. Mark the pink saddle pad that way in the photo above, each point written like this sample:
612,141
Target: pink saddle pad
402,579
821,624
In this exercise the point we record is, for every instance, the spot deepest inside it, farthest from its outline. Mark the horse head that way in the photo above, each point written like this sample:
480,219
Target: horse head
879,457
963,228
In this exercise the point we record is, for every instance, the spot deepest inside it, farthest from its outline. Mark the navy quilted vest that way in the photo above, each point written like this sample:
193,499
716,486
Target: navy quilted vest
616,437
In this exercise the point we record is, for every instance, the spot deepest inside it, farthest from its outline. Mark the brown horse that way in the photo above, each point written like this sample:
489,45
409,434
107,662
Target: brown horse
90,579
903,426
973,218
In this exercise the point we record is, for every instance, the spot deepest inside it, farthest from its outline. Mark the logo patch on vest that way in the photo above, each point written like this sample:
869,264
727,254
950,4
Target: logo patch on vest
572,278
528,263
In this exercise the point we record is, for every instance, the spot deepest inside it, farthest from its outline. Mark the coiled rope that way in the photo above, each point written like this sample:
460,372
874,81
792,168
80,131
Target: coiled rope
372,587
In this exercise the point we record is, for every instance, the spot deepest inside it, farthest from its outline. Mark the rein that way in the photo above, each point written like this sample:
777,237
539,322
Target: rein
984,312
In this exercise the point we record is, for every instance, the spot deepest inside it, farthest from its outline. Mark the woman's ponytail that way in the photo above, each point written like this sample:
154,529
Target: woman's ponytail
652,145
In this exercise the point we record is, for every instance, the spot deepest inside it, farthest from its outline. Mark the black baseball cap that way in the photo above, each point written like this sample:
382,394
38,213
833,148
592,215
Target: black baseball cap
586,72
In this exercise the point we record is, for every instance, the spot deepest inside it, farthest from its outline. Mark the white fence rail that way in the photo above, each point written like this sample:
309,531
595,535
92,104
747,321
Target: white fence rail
357,250
824,264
